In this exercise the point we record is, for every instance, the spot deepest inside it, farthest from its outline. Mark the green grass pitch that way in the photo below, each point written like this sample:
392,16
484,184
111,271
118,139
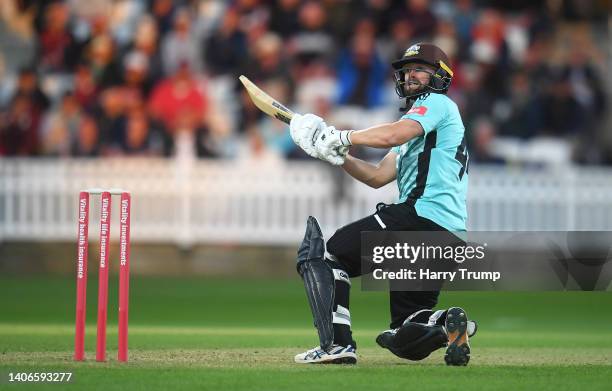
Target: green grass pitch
242,335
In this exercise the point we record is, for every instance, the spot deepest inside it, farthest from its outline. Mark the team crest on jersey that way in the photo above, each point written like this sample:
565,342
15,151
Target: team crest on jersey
421,110
412,50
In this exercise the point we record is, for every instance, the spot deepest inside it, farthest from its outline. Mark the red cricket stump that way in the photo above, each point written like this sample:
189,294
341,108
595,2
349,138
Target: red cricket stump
124,275
105,220
81,280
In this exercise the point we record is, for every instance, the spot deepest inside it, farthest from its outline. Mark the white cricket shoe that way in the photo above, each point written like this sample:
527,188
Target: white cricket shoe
335,355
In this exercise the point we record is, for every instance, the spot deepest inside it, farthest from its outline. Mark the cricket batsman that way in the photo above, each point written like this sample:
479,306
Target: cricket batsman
429,160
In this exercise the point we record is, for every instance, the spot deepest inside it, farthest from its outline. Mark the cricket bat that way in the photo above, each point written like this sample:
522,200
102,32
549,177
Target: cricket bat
265,102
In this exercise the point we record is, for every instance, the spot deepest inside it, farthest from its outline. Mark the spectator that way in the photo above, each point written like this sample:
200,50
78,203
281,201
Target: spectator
179,45
488,36
145,42
586,84
381,14
88,31
254,18
401,36
481,145
103,63
464,20
137,140
361,71
28,86
267,60
474,102
524,117
284,17
313,38
144,136
87,142
61,127
163,13
110,121
340,16
178,102
445,38
19,128
125,15
535,64
316,90
136,81
226,48
55,39
417,13
85,88
562,114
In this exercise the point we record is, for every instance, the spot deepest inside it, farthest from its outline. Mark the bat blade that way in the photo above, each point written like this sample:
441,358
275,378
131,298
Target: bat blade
265,102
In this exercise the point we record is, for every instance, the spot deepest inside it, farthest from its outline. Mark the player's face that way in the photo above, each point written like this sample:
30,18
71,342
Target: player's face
417,76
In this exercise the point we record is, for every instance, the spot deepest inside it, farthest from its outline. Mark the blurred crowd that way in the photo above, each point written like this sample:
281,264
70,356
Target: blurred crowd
159,77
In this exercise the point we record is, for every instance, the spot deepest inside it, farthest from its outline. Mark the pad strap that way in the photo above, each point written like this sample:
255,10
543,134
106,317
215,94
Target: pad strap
341,275
342,316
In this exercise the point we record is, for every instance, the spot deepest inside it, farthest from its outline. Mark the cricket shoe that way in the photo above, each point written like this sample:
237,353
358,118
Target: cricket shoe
456,326
335,355
415,341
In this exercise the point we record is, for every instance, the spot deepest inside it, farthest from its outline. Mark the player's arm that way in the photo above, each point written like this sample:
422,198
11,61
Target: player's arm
387,135
373,175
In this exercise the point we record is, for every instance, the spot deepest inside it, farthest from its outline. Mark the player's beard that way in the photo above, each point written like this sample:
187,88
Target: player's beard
418,86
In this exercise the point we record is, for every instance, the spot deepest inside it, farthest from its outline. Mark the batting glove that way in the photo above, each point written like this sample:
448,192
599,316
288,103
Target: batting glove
304,130
337,156
333,144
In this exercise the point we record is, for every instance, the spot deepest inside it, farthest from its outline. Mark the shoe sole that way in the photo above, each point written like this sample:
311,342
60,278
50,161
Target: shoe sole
342,360
473,333
458,350
350,358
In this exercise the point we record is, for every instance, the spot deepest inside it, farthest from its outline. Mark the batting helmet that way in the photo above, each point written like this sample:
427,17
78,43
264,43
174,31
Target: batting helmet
424,53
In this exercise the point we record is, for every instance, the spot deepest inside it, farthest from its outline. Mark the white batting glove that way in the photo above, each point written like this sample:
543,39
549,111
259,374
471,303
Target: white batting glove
337,156
332,144
304,130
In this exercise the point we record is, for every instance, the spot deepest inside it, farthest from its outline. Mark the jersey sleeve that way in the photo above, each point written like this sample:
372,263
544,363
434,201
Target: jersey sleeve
429,112
396,149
